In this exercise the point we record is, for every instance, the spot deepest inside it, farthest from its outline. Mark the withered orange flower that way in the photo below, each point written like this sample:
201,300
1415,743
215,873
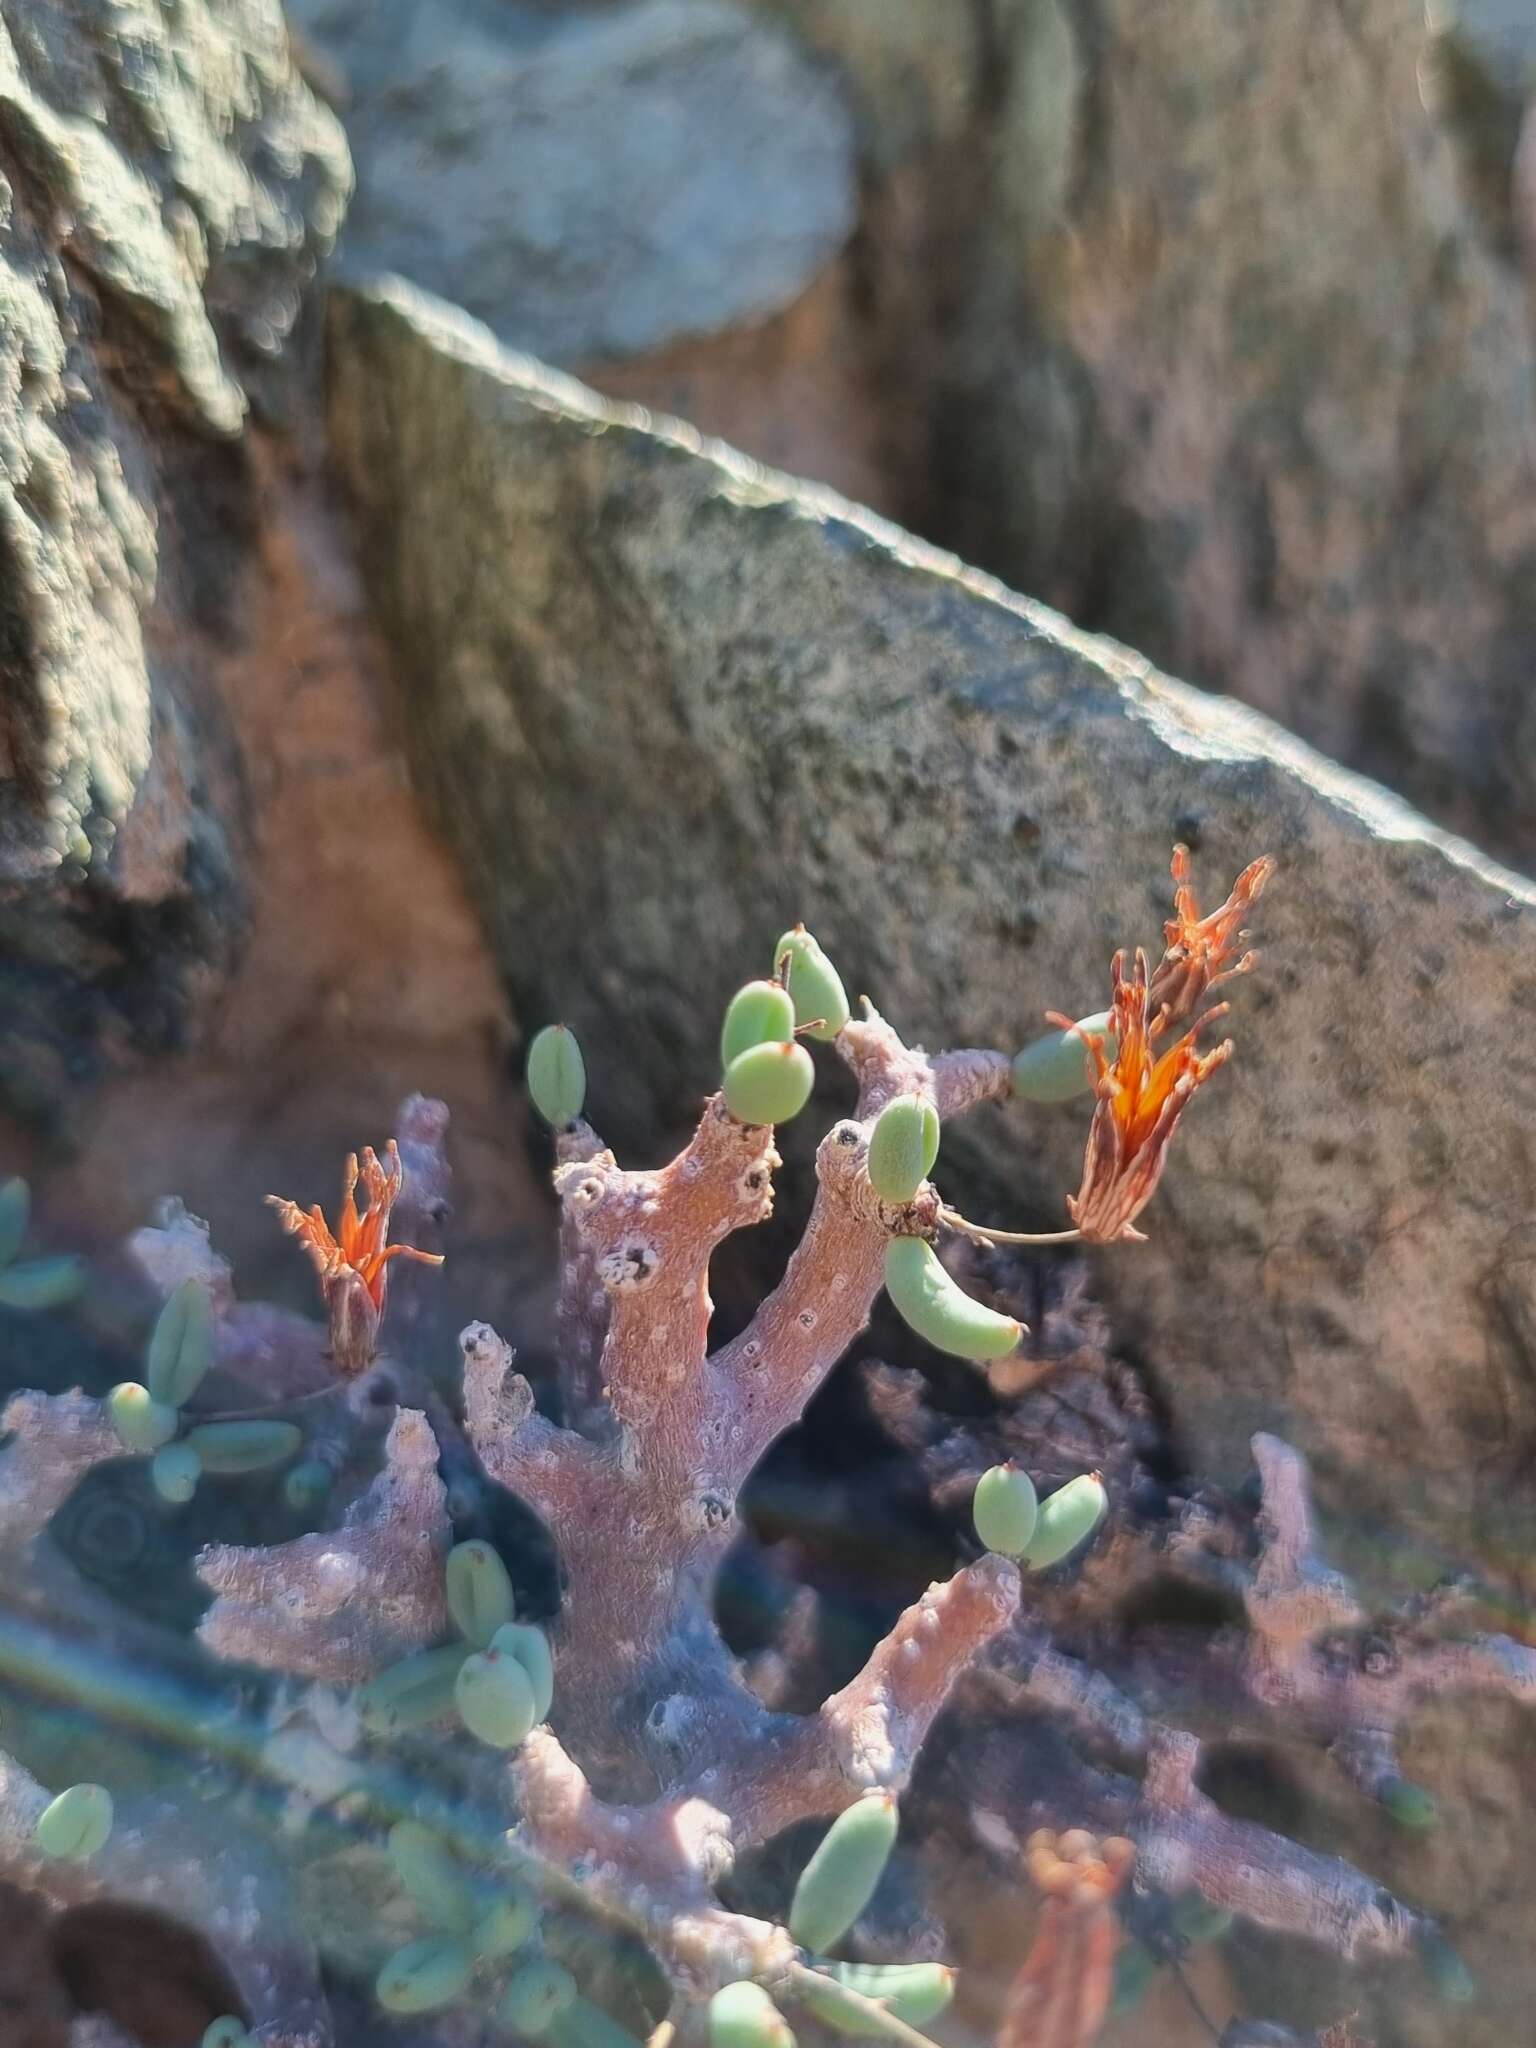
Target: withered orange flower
1061,1996
1141,1096
1199,948
354,1263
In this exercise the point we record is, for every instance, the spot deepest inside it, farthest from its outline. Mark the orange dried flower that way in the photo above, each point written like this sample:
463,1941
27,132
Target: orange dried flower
1199,948
1061,1995
1141,1096
354,1263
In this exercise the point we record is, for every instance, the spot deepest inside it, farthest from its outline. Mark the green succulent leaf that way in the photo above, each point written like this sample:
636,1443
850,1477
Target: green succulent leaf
840,1879
181,1345
557,1076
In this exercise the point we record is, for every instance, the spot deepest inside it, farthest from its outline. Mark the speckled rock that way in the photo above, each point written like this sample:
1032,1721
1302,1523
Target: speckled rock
666,702
167,186
1237,370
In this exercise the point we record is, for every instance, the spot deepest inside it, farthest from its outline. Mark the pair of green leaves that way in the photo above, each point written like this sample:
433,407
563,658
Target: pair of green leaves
834,1888
1011,1520
500,1689
147,1416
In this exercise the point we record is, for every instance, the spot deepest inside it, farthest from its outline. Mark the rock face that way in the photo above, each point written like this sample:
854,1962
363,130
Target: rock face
659,196
362,977
1247,381
1252,385
592,183
1244,380
168,186
665,703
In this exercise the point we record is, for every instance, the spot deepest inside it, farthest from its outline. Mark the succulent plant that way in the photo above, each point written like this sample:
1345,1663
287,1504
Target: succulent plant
518,1776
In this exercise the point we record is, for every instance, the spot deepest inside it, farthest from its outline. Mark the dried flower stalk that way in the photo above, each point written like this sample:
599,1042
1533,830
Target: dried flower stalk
353,1263
1061,1995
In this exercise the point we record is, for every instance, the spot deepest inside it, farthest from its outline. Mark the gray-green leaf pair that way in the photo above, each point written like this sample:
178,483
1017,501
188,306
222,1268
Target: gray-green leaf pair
442,1888
834,1888
500,1690
435,1970
505,1686
147,1417
768,1074
1011,1520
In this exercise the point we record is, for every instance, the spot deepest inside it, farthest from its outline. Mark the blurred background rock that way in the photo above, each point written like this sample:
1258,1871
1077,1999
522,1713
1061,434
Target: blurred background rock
1203,320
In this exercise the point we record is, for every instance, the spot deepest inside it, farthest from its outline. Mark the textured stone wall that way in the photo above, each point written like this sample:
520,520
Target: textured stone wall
167,187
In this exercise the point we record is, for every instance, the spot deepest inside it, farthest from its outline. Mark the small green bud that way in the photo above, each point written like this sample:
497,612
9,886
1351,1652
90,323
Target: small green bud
541,1990
411,1694
1449,1975
424,1975
308,1484
902,1148
1409,1804
744,2016
433,1877
762,1013
228,2032
76,1824
174,1472
840,1879
557,1076
15,1213
142,1424
585,2025
930,1302
181,1345
768,1084
1067,1519
1056,1068
494,1699
506,1925
479,1591
913,1992
1135,1967
530,1646
814,984
42,1283
1005,1510
1198,1920
244,1446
